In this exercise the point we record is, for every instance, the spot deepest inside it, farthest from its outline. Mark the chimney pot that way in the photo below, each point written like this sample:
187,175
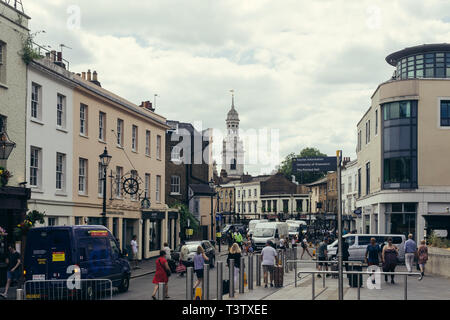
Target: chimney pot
94,76
59,56
83,75
53,52
89,75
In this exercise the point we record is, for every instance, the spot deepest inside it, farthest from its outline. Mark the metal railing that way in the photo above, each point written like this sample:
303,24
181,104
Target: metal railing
370,273
78,289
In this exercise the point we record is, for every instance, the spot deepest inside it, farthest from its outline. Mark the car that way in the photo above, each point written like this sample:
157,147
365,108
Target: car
52,253
210,251
358,244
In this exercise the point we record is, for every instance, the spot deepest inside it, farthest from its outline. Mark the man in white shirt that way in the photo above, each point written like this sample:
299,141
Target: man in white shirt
134,249
269,258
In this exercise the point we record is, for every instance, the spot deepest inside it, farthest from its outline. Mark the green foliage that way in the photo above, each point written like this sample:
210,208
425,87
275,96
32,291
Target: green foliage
29,53
305,177
438,242
186,215
29,222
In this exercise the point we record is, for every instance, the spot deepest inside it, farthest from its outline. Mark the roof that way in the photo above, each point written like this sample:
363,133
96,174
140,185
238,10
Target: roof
201,189
320,181
232,114
393,58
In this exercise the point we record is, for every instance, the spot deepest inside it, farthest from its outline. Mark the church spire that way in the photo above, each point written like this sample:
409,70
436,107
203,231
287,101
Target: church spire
232,98
232,114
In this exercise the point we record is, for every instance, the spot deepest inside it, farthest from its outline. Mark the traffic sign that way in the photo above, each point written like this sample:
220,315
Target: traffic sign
314,164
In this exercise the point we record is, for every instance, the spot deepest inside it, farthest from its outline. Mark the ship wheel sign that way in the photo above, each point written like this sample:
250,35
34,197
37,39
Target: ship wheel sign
131,186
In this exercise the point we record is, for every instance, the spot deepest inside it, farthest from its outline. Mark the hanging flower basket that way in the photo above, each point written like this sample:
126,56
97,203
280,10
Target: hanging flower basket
5,175
32,217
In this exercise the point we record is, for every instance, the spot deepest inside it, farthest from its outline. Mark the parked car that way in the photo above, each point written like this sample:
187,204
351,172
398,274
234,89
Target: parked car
273,231
50,251
210,251
358,244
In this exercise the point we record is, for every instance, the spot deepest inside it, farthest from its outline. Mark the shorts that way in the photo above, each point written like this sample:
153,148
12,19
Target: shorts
199,273
268,268
13,275
322,259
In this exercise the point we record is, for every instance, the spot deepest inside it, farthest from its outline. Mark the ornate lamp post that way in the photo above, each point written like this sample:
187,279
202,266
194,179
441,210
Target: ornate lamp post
105,158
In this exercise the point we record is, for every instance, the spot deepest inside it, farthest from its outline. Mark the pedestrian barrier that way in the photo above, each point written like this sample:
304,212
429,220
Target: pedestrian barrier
68,289
231,277
189,283
369,273
219,285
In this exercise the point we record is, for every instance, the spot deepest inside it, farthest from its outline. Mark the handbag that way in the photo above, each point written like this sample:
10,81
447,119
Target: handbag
180,268
167,271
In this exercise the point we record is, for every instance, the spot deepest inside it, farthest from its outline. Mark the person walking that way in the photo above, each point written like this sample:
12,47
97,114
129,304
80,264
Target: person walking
305,248
134,251
389,259
322,256
239,239
282,244
269,260
410,252
373,255
161,275
422,252
199,262
236,254
13,272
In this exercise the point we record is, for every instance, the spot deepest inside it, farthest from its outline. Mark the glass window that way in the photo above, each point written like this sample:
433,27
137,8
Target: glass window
419,73
60,111
134,138
175,184
83,119
158,147
35,101
82,176
394,110
158,189
60,168
35,164
119,132
429,73
147,142
445,113
101,126
440,72
397,170
119,173
100,179
405,109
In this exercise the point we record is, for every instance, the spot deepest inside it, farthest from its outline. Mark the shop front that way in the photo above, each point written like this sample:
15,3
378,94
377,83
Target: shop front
153,231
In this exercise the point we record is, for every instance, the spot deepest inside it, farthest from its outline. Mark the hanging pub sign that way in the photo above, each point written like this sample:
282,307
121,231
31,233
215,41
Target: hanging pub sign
314,164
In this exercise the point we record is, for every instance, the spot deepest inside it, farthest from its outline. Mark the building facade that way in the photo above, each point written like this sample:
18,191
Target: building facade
349,178
403,148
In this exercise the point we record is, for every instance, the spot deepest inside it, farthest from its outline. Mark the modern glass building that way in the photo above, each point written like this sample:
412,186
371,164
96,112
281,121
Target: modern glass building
403,146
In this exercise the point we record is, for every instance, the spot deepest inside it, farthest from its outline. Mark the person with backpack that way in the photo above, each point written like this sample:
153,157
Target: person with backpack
199,262
161,275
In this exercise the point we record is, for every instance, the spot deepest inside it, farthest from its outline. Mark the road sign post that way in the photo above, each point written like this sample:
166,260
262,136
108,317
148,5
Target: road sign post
339,201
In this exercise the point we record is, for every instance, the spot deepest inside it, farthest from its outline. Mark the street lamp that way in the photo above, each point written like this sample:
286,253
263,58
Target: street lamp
6,146
105,158
211,186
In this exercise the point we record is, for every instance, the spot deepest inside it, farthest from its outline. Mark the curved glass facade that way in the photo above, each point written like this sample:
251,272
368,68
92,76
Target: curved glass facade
400,144
424,65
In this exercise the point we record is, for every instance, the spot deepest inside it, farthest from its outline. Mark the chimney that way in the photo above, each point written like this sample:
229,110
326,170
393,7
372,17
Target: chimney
147,105
83,75
59,56
89,75
95,79
53,53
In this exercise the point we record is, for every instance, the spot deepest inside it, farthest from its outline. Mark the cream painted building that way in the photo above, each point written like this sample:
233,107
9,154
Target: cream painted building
135,138
403,146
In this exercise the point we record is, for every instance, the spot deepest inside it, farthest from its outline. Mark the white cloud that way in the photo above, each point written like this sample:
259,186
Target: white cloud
307,68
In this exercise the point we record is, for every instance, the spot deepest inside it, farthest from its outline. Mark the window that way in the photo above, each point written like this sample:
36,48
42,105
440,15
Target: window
359,182
158,147
35,167
397,170
120,132
60,171
147,142
367,132
445,113
239,193
158,189
36,101
82,176
175,185
175,155
102,126
249,193
2,123
134,138
376,122
254,193
78,221
367,177
51,221
147,185
100,179
61,111
134,175
83,119
2,62
119,173
397,110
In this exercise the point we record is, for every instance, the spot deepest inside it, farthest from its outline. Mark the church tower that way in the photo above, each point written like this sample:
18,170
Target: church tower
233,149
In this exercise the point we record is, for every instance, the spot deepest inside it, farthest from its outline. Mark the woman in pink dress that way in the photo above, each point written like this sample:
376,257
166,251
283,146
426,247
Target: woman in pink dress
161,274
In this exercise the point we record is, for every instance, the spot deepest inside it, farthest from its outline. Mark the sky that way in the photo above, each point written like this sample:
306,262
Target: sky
302,70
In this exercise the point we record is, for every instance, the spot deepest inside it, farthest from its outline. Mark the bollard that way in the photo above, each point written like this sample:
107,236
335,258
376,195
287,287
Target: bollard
359,289
219,280
161,291
258,270
19,294
231,277
291,256
189,283
241,275
312,285
250,272
406,287
286,258
295,267
205,282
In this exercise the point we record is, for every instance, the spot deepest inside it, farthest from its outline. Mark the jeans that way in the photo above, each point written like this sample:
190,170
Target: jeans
409,261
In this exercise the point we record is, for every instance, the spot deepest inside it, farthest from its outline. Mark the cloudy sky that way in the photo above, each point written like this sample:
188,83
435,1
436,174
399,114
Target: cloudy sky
305,68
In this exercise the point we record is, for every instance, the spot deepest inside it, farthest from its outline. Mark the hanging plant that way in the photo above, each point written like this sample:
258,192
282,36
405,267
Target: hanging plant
5,175
29,53
29,222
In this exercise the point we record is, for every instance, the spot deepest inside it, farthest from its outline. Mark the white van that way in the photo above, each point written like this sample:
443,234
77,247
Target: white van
295,227
252,224
358,245
272,231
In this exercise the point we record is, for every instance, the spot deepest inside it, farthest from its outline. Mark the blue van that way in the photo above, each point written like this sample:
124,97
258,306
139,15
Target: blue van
49,252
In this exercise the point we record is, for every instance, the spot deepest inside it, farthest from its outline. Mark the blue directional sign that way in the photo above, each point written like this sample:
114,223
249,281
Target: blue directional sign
314,164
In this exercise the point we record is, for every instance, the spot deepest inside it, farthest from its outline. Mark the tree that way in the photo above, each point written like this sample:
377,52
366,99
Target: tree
301,177
185,216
